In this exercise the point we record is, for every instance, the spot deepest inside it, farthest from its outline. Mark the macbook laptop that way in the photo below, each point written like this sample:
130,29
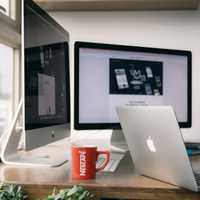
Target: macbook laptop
156,145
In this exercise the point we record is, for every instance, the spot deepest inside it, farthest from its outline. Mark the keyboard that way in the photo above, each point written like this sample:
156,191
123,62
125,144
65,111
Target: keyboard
197,178
113,163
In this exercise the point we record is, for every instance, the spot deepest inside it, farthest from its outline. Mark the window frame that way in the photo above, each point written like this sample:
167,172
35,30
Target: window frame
10,35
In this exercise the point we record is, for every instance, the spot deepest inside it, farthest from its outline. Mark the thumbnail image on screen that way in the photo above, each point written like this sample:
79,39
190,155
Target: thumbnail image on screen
139,77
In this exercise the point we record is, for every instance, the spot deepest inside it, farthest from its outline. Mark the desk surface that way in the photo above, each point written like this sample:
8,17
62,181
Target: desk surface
123,184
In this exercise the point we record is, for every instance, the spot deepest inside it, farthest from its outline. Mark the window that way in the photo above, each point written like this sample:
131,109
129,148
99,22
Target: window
6,86
4,7
8,8
10,48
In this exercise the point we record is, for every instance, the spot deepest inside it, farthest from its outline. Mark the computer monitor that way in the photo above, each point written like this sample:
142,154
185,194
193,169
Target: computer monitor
46,82
46,94
44,108
107,76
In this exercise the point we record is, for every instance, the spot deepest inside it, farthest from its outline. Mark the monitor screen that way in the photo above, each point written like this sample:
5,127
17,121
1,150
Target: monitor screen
47,85
107,76
46,78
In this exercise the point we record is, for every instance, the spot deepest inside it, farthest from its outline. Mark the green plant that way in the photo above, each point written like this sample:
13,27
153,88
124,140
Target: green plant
11,192
75,193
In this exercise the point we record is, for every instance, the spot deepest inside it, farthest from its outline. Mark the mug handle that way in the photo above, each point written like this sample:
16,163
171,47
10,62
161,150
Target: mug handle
107,153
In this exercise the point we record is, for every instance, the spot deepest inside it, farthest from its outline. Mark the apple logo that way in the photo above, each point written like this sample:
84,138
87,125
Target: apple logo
150,144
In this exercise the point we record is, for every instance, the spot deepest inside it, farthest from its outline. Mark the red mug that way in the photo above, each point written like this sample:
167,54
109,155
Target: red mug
83,162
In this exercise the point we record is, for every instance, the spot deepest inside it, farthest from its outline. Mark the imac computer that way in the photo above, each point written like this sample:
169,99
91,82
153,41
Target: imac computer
46,94
107,76
45,108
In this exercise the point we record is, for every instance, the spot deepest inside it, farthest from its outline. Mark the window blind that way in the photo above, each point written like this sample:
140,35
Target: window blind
4,7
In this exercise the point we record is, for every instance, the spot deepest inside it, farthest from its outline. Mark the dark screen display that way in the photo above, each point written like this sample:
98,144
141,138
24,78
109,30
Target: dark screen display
46,85
137,77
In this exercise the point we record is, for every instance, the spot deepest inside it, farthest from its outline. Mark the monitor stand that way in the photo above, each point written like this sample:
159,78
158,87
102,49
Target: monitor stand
41,157
113,140
118,142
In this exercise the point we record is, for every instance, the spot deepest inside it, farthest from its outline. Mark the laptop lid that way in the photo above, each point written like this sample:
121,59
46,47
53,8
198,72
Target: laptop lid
156,144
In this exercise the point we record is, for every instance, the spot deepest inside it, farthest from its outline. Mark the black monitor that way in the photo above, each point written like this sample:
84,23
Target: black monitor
47,86
46,78
108,75
46,93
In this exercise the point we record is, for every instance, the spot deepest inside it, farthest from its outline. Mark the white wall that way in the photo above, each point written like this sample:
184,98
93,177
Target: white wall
164,29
